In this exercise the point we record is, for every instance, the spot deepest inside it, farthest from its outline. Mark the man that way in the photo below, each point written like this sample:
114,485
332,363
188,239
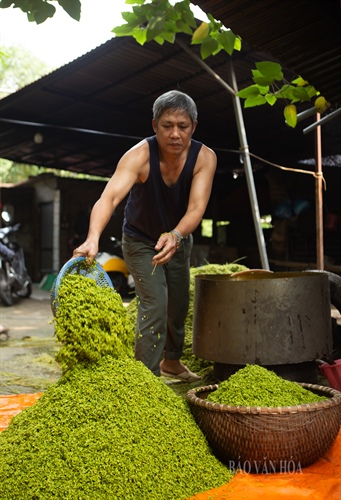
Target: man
169,180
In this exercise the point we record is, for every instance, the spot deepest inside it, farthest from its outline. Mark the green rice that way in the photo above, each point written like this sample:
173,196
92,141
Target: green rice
257,386
107,430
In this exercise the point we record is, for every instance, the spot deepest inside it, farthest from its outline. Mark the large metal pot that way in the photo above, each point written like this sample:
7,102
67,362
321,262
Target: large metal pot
260,317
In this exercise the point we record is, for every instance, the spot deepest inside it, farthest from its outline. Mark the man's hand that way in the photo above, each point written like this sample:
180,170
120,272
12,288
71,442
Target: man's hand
166,246
88,249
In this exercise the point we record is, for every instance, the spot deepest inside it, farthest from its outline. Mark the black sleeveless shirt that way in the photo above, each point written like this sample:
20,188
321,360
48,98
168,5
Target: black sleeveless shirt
153,207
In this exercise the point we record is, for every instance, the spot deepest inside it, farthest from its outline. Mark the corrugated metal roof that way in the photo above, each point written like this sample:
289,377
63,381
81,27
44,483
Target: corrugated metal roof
304,35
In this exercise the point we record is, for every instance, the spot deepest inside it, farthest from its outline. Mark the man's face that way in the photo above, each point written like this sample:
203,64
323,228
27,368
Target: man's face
174,130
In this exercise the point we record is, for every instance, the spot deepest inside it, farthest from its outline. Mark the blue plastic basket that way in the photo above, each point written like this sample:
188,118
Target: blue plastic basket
76,266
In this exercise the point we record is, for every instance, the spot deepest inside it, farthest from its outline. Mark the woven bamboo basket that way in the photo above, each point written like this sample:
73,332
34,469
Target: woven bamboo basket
260,439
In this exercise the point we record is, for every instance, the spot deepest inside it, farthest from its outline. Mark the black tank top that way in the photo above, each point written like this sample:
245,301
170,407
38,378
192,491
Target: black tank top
153,207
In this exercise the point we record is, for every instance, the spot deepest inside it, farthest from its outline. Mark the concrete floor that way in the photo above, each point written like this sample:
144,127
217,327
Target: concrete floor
28,317
27,351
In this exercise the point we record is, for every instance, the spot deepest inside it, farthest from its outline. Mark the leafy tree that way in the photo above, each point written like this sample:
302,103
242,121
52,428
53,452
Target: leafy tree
40,10
159,20
18,68
12,172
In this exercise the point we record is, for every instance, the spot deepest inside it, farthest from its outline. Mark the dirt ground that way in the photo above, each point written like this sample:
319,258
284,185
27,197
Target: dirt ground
27,351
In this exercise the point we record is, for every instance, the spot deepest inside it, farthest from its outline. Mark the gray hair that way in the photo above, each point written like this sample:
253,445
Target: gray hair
175,100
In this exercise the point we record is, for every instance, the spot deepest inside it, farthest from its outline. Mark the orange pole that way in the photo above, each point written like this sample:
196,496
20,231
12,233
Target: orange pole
319,198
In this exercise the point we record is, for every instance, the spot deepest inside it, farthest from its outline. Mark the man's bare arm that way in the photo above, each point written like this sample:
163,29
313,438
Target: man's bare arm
130,169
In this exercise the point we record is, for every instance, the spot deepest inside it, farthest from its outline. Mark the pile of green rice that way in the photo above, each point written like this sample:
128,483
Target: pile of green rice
257,386
107,430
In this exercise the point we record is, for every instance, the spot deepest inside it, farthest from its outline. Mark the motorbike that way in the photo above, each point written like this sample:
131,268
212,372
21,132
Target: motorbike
14,278
114,265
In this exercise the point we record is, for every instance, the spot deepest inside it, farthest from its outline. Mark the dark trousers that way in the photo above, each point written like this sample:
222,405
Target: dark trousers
162,300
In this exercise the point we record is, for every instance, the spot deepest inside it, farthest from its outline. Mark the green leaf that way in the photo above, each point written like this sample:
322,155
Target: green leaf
140,35
183,11
218,49
293,93
4,4
169,36
270,99
260,79
312,92
139,10
263,90
254,101
238,43
172,15
152,34
156,23
133,20
285,92
215,26
301,94
24,5
45,11
188,18
131,2
207,48
130,17
290,115
71,7
227,39
159,39
170,27
123,30
300,82
183,27
270,69
249,92
145,11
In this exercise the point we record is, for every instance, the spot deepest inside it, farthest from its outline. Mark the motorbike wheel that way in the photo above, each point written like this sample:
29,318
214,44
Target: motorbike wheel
25,291
118,281
5,289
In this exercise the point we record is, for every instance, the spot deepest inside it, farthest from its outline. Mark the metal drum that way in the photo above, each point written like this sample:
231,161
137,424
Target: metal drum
262,317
